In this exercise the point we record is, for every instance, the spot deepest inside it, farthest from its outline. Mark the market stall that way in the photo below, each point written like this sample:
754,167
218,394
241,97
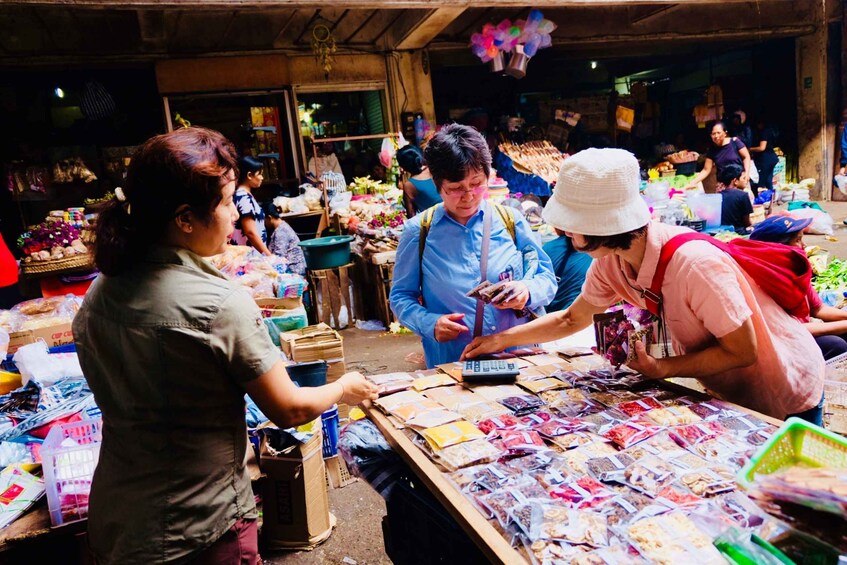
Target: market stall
579,463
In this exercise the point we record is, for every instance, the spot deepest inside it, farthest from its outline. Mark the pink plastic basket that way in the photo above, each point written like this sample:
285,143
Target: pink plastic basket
69,455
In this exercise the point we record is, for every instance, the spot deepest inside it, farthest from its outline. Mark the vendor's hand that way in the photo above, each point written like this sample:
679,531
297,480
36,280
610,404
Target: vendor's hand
645,363
356,389
512,295
449,327
482,346
842,170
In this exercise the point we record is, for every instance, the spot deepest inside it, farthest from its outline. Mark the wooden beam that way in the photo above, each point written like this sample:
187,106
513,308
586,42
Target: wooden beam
655,13
427,28
151,28
356,4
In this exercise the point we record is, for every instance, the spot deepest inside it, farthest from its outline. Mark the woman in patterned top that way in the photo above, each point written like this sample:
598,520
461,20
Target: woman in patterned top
283,241
250,227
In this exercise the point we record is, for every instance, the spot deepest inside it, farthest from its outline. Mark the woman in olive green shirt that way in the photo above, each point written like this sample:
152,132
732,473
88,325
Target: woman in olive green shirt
169,347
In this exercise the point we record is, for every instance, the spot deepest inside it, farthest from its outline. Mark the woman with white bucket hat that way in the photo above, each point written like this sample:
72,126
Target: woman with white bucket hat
725,330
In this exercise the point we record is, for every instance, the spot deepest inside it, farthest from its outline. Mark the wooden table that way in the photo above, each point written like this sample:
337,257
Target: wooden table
481,530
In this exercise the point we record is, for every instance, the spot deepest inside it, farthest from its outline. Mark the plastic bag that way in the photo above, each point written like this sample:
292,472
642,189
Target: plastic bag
370,325
340,201
386,152
35,363
822,223
4,342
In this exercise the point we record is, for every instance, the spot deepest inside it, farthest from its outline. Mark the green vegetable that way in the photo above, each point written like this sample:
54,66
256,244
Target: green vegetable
833,278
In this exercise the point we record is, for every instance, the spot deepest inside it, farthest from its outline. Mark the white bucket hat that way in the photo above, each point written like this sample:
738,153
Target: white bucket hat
598,194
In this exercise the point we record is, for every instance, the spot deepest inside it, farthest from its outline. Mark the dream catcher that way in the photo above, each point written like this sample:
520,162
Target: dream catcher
323,46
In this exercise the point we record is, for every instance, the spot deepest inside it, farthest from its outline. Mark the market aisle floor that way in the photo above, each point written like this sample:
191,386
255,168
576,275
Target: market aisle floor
357,507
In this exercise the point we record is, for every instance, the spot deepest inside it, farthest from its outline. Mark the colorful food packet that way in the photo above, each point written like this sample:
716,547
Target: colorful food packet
612,398
709,409
406,412
553,552
577,459
687,461
518,441
532,461
740,509
609,468
674,496
501,502
433,418
495,476
440,437
614,555
391,382
630,507
660,445
673,538
585,492
557,473
452,397
561,426
574,440
693,434
552,521
466,454
742,425
631,432
494,424
673,416
708,481
649,475
432,381
606,419
388,403
522,404
482,411
495,392
635,407
542,384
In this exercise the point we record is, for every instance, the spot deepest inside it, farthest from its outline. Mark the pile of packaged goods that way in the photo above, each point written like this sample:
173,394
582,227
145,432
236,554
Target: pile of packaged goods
264,276
39,391
540,158
589,464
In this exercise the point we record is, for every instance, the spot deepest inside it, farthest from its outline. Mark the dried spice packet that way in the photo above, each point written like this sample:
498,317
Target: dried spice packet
585,492
609,468
707,482
649,475
483,411
635,407
542,384
561,426
631,432
466,454
574,440
523,404
493,425
674,416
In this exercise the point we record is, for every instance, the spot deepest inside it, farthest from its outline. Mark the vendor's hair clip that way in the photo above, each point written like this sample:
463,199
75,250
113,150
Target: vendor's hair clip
119,194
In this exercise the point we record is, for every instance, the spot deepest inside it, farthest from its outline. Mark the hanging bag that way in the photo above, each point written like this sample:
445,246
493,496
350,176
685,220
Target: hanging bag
783,272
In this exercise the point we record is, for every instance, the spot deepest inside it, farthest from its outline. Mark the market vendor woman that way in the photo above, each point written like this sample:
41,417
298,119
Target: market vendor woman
169,346
725,330
428,293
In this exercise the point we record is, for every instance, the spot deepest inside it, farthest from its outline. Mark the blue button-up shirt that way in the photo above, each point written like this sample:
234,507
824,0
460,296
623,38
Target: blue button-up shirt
451,263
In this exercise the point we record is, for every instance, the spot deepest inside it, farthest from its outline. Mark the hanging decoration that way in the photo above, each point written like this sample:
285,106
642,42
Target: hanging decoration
522,38
323,46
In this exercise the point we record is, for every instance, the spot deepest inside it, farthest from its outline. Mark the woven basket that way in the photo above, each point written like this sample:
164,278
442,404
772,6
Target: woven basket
75,262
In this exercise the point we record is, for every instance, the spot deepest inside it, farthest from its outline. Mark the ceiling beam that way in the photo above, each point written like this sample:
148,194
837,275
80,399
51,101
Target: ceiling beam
151,28
360,4
655,13
418,31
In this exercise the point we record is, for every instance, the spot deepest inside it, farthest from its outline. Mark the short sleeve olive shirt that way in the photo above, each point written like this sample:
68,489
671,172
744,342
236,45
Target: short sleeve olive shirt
165,348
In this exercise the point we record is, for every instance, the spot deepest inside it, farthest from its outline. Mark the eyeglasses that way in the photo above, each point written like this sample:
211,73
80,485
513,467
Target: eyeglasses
475,191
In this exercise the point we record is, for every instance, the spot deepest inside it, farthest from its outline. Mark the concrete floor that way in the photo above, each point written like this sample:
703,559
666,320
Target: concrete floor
359,510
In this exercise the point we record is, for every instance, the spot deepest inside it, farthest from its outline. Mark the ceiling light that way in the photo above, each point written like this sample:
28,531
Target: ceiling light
593,64
59,92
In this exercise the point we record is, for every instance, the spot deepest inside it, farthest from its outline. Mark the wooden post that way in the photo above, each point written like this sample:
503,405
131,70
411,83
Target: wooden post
815,137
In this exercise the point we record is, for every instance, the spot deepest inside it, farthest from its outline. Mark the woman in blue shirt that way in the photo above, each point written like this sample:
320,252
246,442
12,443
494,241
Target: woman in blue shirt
428,294
419,192
250,226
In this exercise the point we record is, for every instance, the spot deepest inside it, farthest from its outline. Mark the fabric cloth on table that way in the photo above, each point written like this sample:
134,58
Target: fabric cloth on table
285,243
451,264
166,348
707,296
570,267
248,207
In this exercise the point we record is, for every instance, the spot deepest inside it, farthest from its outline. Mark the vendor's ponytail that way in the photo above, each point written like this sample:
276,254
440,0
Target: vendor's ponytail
189,166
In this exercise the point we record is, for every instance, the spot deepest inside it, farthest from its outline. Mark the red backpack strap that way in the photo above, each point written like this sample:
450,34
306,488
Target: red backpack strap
653,295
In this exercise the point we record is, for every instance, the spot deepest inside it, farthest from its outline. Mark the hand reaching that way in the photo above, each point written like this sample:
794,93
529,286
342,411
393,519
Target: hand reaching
645,363
482,346
356,389
449,327
512,295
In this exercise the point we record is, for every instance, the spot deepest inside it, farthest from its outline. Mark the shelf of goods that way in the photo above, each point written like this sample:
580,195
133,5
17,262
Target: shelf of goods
531,167
578,459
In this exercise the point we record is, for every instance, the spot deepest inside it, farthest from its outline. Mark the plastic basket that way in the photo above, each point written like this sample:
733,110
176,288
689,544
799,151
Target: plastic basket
69,455
329,422
796,442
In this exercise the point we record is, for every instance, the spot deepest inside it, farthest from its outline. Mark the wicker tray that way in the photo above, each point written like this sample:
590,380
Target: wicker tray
75,262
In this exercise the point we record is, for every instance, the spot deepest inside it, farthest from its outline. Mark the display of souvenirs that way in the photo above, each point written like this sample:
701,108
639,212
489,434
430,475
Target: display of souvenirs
264,276
540,158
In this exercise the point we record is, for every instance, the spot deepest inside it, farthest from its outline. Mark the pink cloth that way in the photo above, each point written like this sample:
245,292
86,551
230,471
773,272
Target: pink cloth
706,296
815,303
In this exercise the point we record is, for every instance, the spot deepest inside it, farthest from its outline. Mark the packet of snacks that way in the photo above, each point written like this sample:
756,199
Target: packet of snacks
441,437
466,454
540,520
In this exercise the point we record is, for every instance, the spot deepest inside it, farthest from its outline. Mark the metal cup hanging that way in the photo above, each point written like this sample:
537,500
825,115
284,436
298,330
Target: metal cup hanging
517,63
497,64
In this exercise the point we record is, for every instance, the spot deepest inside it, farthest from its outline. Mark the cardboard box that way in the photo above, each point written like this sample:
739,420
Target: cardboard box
295,500
312,343
60,334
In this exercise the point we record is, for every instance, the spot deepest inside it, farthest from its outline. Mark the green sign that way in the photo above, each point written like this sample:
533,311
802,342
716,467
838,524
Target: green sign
807,82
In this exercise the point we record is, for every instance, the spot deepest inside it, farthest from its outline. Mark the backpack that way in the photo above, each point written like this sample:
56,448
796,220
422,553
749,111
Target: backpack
783,272
426,221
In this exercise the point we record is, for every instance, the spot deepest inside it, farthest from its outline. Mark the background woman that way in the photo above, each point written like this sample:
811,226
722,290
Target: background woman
169,347
283,241
419,192
724,150
428,293
764,156
250,227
